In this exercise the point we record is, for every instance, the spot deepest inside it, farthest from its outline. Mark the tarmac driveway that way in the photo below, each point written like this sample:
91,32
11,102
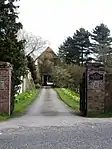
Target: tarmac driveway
50,124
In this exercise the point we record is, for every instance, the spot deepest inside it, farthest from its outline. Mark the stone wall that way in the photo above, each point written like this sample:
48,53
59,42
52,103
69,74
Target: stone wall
5,87
95,89
97,96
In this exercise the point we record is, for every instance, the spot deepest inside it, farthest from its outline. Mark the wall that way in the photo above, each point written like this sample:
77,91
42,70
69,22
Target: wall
108,93
95,89
5,87
27,84
97,96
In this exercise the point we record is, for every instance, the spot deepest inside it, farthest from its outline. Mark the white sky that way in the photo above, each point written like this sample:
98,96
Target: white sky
54,20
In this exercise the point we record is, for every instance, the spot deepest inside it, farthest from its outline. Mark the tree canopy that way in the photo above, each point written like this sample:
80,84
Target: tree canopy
102,42
85,46
12,49
76,49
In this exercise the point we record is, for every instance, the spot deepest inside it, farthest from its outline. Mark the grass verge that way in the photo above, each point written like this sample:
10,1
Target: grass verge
69,97
72,99
22,101
3,117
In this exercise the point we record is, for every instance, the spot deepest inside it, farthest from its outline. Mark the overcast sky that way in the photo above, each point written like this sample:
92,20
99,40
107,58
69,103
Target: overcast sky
54,20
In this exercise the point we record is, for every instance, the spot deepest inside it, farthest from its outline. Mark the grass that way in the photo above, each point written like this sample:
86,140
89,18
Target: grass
22,101
104,115
69,97
72,99
3,117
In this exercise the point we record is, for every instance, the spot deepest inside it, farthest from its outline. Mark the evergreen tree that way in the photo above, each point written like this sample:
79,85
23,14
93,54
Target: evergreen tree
33,70
83,44
77,49
68,51
12,50
102,42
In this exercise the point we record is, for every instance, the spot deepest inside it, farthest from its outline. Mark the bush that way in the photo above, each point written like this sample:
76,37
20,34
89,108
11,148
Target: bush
67,76
37,86
33,70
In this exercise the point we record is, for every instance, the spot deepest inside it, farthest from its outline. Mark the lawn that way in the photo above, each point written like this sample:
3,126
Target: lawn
3,117
22,101
69,97
72,99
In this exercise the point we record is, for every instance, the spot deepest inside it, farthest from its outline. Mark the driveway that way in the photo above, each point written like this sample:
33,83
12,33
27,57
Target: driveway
50,124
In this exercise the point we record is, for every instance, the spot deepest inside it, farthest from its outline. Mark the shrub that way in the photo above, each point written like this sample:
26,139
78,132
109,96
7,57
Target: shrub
37,86
67,76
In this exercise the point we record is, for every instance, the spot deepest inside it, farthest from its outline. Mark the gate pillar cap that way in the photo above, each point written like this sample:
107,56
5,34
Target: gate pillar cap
96,66
5,65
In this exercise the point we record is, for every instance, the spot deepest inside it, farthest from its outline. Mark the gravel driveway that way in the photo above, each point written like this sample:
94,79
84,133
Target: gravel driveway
50,124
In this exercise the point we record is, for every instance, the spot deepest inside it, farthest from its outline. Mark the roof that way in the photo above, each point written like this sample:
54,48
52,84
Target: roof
47,49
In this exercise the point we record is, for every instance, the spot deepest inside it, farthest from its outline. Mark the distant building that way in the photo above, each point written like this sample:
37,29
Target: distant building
44,64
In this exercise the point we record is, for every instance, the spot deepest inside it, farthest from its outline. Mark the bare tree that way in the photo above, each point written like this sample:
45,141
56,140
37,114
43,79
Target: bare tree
33,44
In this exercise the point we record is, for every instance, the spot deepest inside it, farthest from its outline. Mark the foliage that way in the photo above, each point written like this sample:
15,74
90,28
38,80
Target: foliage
102,44
67,76
37,86
12,49
68,51
3,117
83,45
70,93
101,34
76,49
23,100
33,70
69,97
61,76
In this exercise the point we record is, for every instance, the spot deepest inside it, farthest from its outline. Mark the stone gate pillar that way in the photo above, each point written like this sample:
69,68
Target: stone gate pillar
95,89
5,87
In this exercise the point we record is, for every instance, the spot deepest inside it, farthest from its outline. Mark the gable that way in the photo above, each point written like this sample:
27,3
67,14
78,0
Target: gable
48,53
